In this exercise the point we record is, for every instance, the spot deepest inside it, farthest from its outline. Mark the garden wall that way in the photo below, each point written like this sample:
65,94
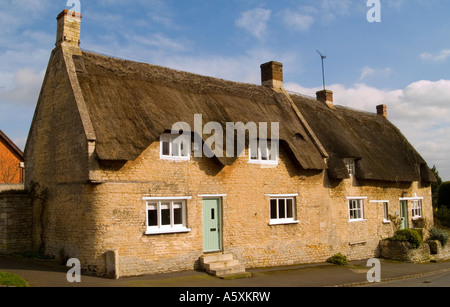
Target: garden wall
402,251
439,252
15,222
431,250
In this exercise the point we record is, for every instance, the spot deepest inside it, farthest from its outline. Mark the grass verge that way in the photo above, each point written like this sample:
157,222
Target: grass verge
12,280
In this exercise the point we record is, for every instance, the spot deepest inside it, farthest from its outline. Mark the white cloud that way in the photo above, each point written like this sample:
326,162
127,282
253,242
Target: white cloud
421,111
255,21
229,67
366,71
331,9
369,71
25,88
441,56
341,7
297,21
158,40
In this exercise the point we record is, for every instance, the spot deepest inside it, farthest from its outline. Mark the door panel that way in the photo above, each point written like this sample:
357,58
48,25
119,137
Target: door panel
212,232
404,214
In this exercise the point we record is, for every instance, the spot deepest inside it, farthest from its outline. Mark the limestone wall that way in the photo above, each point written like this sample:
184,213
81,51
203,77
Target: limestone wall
15,223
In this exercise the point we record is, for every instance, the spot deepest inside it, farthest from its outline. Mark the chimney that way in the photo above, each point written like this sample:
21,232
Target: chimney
326,96
382,111
69,26
272,75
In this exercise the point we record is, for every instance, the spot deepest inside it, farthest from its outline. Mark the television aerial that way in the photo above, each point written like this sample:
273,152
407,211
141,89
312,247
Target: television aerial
323,57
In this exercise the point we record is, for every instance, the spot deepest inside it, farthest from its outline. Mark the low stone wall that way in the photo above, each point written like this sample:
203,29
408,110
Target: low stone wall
15,222
439,252
402,251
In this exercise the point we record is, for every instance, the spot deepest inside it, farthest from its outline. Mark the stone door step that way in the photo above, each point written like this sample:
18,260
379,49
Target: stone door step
223,265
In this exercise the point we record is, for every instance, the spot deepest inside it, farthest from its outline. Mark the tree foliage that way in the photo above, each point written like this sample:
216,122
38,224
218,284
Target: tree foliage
444,195
435,186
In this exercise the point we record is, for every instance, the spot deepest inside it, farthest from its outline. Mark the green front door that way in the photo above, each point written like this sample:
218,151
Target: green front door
212,237
404,214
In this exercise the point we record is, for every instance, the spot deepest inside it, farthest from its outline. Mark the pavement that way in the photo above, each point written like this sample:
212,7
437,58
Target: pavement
47,273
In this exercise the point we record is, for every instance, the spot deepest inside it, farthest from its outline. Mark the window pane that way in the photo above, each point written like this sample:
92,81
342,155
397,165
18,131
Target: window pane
166,149
386,210
263,150
175,149
273,209
352,214
177,213
152,215
350,163
355,209
177,216
282,208
253,151
184,145
273,156
165,214
290,209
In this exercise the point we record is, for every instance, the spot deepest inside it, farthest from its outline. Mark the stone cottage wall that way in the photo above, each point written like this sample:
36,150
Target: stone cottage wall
15,223
113,216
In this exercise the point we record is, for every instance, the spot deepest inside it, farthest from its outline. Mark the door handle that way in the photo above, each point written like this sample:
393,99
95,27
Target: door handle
213,229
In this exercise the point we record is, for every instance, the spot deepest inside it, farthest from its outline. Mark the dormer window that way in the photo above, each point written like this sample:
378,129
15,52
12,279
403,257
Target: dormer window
266,154
174,147
351,168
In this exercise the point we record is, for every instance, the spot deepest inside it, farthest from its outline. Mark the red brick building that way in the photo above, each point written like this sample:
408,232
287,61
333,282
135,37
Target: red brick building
11,161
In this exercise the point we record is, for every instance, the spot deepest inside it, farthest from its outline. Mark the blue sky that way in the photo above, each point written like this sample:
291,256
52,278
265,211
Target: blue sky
402,61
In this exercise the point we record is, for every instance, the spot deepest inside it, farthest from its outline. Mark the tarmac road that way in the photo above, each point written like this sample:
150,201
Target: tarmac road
48,274
435,281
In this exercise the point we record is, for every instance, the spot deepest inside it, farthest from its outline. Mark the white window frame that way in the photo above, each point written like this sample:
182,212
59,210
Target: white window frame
416,208
351,166
157,204
284,198
259,159
354,200
170,139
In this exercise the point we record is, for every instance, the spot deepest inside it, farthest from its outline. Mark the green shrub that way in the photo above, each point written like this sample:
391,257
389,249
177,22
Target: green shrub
443,216
338,259
408,235
440,235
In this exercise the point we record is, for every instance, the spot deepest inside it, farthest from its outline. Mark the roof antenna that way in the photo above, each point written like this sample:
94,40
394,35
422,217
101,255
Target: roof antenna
323,67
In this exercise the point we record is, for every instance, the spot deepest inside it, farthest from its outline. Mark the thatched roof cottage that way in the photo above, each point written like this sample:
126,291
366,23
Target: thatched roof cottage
125,196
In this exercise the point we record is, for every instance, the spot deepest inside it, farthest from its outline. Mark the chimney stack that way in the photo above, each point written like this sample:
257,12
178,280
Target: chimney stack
382,111
69,27
272,74
326,96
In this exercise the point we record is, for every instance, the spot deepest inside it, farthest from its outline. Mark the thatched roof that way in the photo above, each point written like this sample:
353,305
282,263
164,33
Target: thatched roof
379,148
131,104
